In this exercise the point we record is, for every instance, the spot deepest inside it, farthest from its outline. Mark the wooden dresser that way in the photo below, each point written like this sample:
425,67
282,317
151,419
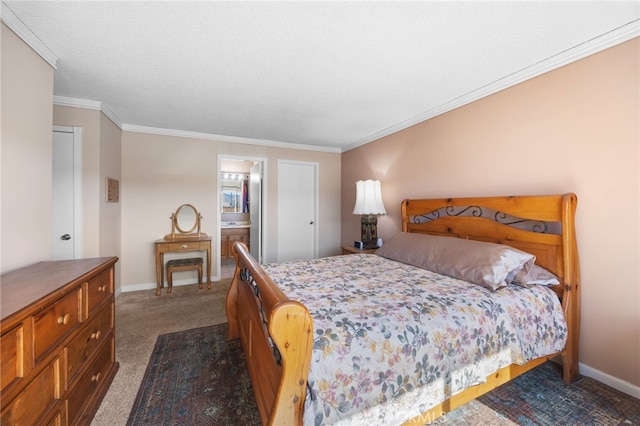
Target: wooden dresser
57,329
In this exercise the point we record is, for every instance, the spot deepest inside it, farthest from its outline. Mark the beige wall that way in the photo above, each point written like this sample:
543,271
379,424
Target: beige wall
28,117
573,129
110,212
159,173
27,94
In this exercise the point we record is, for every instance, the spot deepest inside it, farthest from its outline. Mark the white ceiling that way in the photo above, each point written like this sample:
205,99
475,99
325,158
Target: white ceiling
320,75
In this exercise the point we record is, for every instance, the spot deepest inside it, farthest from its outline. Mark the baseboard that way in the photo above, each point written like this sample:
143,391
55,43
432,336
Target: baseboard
153,286
138,287
609,380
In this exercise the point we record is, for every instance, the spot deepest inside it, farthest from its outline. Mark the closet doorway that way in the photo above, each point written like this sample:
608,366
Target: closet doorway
241,202
297,210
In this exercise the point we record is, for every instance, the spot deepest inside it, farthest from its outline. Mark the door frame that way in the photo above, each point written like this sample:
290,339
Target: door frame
316,169
263,228
77,185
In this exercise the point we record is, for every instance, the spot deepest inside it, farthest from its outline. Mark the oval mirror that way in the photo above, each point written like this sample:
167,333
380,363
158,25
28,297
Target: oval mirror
186,218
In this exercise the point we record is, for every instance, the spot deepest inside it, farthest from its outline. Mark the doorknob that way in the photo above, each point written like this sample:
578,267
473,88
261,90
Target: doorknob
65,237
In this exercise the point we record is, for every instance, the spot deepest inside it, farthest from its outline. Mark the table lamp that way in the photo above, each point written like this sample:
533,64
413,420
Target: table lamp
369,205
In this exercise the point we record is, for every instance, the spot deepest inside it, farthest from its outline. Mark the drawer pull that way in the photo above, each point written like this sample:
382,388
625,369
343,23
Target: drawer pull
102,288
95,335
95,378
64,319
185,245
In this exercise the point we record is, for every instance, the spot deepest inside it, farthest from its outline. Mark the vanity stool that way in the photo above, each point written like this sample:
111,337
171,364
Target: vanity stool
183,265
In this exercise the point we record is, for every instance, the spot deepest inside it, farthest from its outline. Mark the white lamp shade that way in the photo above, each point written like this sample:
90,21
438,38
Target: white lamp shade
368,198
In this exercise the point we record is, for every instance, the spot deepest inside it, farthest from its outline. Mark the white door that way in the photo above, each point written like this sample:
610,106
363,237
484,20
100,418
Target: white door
297,210
63,235
255,211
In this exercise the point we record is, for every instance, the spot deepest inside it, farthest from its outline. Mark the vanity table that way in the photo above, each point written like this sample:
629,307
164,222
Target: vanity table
192,244
185,236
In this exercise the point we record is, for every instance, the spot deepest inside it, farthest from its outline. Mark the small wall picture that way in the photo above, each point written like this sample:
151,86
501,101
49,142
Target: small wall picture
113,190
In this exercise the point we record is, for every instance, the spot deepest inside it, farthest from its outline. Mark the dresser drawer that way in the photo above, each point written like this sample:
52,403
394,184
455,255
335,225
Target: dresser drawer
87,342
12,357
36,399
99,289
187,246
90,381
56,322
56,418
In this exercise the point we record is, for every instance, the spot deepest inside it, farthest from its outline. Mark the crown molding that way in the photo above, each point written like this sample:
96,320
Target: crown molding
17,26
101,106
225,138
590,47
88,104
76,102
107,111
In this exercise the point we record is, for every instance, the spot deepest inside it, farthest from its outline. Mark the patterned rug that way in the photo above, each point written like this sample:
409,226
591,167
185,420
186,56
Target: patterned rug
196,377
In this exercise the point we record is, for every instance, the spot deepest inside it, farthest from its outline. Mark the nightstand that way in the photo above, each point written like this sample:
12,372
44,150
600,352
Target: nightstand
353,250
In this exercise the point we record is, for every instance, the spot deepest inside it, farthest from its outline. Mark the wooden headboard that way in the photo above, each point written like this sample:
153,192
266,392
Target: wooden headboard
541,225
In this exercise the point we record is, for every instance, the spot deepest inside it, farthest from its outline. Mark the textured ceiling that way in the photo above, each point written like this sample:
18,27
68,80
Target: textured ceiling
322,74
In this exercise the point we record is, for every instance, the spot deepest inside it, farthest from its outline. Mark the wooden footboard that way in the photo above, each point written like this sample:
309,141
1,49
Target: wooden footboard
277,340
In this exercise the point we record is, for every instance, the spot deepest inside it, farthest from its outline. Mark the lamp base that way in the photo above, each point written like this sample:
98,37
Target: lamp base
369,231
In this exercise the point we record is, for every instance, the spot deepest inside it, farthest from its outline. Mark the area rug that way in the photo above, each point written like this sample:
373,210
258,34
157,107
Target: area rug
196,377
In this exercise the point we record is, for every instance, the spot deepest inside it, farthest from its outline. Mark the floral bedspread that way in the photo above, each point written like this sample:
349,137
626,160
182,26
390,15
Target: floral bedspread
392,340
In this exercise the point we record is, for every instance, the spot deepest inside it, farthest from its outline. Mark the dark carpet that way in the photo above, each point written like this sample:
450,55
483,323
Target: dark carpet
196,377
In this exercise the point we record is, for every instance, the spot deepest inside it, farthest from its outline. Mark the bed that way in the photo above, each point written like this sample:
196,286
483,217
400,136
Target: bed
331,341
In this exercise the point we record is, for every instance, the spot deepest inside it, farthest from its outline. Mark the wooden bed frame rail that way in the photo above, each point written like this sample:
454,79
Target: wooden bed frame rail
277,340
277,332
